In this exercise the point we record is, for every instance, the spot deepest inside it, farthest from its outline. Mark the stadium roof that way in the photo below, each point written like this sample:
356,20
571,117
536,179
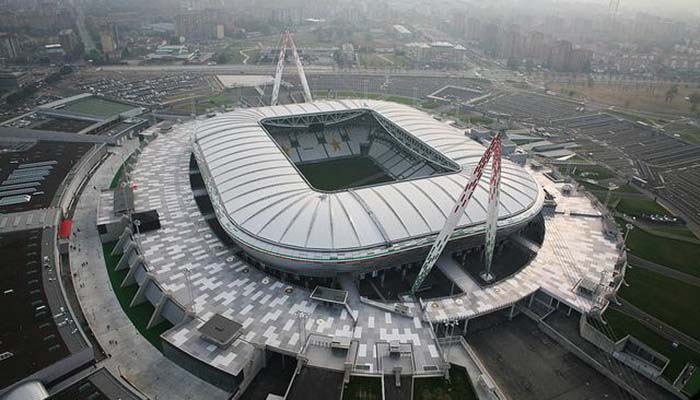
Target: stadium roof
262,199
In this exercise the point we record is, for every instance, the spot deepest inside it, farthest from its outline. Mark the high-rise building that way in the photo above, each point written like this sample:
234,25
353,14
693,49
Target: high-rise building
560,55
10,45
70,42
563,57
490,39
473,29
536,47
206,24
459,22
512,43
109,41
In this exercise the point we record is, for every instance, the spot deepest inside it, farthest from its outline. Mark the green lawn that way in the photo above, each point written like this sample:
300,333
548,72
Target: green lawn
595,172
692,387
343,173
627,189
363,388
669,300
638,207
457,388
117,178
220,100
678,230
622,325
469,117
139,315
430,104
691,135
676,254
97,107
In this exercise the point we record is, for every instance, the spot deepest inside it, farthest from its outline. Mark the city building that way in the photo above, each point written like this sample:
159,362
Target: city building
10,45
70,42
13,80
207,24
109,39
401,32
171,53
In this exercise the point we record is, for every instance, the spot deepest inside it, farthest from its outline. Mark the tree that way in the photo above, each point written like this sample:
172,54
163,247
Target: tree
671,93
96,56
694,100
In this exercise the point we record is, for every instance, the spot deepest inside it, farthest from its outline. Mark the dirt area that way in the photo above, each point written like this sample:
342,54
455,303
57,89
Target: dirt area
643,96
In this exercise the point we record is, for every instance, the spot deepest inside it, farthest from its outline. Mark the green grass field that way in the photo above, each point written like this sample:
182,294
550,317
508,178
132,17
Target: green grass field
679,230
343,174
669,300
363,388
457,388
638,207
691,135
96,107
692,387
220,100
595,172
676,254
622,325
139,315
627,189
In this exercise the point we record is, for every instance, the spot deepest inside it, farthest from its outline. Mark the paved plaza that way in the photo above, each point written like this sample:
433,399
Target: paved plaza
575,247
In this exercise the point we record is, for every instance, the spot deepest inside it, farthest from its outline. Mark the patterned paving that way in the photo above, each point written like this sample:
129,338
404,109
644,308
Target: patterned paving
221,283
574,248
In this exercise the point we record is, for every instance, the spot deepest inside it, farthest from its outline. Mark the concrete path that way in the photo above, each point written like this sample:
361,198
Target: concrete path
663,270
454,272
133,358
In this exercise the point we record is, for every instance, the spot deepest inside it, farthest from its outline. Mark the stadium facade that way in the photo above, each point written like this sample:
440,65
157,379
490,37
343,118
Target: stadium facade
278,181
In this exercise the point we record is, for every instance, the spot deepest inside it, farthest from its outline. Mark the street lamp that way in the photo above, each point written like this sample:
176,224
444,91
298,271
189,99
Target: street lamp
628,228
301,317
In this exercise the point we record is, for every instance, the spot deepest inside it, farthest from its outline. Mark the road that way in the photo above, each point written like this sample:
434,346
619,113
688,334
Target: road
269,70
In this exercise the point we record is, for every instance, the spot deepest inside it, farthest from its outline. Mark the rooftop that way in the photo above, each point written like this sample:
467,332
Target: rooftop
261,198
220,330
36,169
29,333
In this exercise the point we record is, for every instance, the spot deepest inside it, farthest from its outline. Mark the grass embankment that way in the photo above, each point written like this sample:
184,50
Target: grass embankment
622,325
668,299
457,388
679,255
117,178
363,388
138,315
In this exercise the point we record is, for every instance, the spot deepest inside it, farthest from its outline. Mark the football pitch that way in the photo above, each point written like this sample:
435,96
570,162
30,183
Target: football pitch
341,174
96,107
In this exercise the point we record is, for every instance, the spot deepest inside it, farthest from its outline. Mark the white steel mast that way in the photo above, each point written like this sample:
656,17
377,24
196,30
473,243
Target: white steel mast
287,41
494,150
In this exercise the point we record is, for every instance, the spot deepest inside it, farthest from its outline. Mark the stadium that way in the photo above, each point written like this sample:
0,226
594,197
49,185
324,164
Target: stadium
329,187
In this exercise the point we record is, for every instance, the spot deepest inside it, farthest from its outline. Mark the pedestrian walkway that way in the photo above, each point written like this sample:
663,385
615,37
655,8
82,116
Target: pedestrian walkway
131,356
454,272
